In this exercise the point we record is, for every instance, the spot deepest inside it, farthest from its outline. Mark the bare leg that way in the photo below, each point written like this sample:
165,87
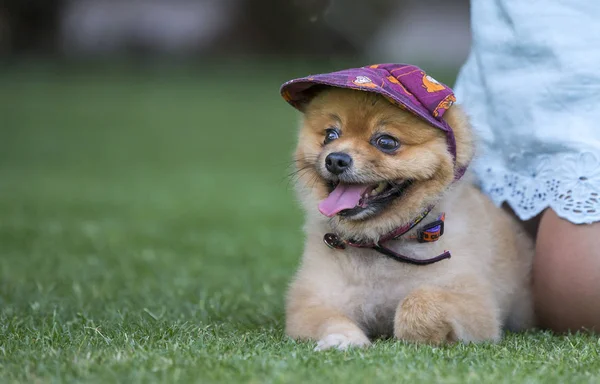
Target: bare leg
566,274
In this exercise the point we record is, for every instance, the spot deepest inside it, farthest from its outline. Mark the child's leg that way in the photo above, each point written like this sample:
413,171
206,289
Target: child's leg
566,274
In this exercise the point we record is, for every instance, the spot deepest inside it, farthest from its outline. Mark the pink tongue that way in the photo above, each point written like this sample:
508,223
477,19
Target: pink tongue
344,196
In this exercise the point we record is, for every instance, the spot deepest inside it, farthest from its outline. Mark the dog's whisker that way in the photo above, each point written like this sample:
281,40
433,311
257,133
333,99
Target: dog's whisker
297,178
299,171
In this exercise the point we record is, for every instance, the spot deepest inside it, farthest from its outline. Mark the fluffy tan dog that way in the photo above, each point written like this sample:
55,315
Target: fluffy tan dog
366,168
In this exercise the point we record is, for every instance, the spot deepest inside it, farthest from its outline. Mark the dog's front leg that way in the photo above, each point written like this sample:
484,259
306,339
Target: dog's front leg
437,315
307,320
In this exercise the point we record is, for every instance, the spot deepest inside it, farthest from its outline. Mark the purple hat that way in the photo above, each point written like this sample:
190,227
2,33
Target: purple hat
406,86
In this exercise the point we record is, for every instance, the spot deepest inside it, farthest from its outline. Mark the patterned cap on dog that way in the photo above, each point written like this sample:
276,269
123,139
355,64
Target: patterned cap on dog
406,86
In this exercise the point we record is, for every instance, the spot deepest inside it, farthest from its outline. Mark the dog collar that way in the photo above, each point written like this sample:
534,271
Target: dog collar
427,234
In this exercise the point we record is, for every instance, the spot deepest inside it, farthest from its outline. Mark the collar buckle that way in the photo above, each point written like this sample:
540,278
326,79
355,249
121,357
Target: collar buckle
333,241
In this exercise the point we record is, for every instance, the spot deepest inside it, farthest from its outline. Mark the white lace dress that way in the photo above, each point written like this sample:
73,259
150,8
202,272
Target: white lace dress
532,88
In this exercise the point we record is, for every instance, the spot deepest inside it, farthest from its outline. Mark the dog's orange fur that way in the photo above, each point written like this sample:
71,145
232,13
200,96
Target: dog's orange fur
341,298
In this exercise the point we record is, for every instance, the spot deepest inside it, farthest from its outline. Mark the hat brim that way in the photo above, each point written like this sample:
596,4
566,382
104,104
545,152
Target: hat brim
297,93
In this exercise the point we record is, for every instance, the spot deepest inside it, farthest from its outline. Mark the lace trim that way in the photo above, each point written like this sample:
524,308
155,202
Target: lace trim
567,183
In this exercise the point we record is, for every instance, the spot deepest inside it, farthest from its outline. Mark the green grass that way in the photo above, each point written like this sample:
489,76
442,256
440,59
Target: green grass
148,232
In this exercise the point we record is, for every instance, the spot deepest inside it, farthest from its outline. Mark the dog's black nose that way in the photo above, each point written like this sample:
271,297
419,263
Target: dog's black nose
338,162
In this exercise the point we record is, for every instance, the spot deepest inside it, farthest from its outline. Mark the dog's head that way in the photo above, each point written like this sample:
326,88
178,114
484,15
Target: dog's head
371,166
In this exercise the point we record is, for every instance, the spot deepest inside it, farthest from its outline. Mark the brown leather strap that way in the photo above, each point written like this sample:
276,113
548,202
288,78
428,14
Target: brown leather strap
333,241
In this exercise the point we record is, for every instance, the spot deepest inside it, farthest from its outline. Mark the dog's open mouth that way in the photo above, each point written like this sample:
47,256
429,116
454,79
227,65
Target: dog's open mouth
351,199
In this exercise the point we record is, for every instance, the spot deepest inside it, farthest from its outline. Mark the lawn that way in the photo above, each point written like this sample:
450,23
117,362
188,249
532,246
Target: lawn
148,232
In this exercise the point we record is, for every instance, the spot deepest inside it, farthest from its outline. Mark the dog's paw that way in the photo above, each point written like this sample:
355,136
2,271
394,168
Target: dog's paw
436,316
342,341
422,317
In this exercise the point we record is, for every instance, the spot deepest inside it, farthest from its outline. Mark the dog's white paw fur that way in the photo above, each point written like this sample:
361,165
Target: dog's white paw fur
342,342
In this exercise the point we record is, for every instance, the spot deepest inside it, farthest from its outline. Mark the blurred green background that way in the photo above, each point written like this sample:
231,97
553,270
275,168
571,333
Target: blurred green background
148,229
144,145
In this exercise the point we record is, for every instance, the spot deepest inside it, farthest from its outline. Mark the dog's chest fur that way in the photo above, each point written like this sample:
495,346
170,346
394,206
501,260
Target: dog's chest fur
488,260
373,285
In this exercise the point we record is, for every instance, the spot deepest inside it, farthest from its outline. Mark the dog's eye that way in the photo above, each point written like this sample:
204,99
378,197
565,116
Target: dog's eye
386,143
330,135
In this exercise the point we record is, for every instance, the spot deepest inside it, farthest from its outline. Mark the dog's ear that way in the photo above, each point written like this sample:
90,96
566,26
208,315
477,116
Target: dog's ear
463,134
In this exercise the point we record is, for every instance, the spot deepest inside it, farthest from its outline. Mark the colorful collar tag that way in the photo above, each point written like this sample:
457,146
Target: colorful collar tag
433,231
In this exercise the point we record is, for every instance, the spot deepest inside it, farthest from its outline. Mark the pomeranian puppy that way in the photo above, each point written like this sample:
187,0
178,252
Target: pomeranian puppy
398,243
